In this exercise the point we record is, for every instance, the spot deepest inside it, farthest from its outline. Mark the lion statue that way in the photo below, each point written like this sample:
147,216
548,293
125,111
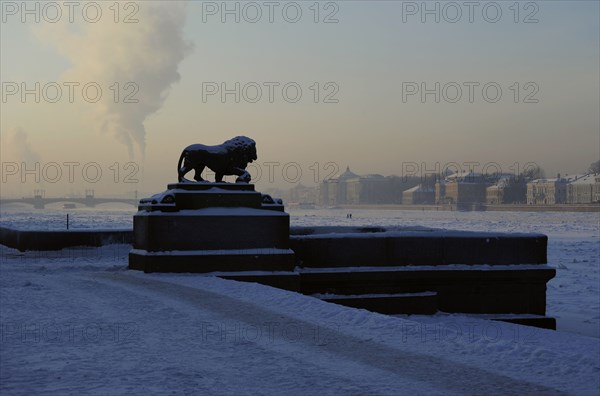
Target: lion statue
229,158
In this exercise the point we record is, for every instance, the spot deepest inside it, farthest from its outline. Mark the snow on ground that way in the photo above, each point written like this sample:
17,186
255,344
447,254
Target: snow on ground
84,324
78,322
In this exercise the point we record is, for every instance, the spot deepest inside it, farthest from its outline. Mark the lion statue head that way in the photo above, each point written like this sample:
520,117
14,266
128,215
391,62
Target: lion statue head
243,149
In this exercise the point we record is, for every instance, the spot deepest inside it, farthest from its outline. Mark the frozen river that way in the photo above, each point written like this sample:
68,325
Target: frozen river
560,224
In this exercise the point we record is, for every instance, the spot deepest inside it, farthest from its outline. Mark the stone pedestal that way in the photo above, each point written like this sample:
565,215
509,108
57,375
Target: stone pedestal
207,227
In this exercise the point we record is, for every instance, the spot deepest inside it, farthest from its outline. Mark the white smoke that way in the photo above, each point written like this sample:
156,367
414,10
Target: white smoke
17,147
141,57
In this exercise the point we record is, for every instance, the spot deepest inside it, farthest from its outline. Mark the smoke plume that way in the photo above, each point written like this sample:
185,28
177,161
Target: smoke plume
141,57
17,148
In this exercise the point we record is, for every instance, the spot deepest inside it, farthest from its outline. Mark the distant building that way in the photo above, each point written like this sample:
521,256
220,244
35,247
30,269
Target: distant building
584,189
419,195
507,190
547,191
440,192
494,195
374,190
303,195
462,188
333,191
352,189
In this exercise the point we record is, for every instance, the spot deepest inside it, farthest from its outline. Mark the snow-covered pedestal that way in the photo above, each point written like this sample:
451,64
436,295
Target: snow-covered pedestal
416,270
206,227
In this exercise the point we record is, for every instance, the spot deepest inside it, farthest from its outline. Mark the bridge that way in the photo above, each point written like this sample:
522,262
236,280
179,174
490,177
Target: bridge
39,200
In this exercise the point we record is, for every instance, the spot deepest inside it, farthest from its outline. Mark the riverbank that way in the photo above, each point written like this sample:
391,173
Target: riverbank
484,208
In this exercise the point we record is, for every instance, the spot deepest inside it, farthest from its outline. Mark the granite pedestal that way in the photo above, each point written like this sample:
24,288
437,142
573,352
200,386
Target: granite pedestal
206,227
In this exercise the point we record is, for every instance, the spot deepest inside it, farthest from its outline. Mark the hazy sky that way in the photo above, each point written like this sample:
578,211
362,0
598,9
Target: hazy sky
374,62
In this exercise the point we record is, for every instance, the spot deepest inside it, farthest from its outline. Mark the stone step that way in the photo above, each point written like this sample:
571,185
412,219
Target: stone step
514,289
40,240
402,303
391,304
203,261
279,279
460,288
544,322
326,247
540,321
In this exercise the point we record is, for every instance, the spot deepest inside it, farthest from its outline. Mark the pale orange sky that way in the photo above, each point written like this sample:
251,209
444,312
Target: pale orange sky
173,54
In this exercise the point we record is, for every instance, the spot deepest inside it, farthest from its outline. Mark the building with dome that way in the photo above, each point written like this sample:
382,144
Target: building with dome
349,188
